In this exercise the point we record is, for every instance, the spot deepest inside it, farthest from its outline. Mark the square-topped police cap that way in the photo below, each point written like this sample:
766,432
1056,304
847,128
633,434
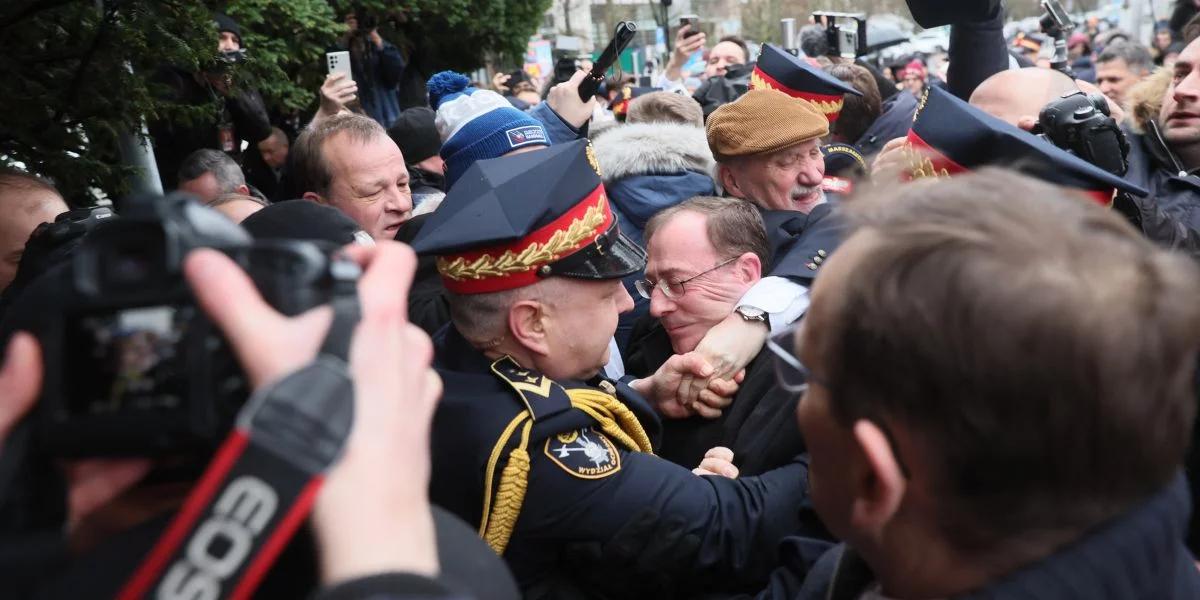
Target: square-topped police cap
778,69
509,222
952,137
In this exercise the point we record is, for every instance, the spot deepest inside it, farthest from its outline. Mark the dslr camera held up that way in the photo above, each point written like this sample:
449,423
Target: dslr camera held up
1080,123
132,365
846,32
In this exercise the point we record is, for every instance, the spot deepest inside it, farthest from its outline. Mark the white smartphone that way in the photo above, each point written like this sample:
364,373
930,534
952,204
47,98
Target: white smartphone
339,62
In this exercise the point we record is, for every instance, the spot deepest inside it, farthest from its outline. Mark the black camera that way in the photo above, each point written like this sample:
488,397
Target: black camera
1081,124
132,365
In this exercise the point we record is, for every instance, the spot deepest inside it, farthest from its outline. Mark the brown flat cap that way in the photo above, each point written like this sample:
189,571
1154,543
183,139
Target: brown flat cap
763,121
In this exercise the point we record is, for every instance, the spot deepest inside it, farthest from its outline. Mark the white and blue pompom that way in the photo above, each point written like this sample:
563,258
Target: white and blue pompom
445,84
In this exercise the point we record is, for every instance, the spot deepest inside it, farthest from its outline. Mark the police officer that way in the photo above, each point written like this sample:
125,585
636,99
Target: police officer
529,442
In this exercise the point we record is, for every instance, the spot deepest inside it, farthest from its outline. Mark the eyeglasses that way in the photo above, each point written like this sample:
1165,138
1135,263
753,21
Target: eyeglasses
672,289
791,374
793,377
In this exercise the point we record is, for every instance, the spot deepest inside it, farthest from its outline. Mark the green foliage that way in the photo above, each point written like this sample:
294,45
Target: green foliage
456,34
80,73
285,49
76,76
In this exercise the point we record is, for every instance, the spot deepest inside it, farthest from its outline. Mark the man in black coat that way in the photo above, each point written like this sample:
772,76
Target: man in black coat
693,281
233,113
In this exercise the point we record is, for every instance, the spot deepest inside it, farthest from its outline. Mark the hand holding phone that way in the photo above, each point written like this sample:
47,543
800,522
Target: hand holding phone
339,62
692,22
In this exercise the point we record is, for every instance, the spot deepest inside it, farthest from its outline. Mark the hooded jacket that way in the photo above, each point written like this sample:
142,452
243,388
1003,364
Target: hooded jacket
650,166
647,167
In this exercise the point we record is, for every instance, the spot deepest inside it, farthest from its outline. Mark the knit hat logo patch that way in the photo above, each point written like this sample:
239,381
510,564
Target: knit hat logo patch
523,136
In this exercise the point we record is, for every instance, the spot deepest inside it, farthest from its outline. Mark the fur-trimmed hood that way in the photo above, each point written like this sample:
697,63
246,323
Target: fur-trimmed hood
1145,98
652,149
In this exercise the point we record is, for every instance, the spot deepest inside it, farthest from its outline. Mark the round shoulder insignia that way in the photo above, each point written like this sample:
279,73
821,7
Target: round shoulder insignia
584,453
592,160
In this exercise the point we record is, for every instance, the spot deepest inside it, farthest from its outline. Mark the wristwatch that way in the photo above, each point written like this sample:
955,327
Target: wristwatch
751,314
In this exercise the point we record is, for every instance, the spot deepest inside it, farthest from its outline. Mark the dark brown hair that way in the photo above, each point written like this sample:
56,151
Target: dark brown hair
1039,350
734,227
858,112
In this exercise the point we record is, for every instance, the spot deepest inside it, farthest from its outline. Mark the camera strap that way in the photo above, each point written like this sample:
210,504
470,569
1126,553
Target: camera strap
262,482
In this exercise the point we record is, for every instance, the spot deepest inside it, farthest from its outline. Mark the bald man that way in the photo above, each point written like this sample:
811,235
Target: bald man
1018,95
26,201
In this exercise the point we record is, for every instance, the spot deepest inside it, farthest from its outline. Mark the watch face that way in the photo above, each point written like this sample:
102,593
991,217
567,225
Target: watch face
750,312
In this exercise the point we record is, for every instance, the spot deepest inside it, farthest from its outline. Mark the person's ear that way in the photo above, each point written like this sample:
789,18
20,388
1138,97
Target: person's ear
527,323
314,197
749,267
1027,123
728,181
243,189
881,484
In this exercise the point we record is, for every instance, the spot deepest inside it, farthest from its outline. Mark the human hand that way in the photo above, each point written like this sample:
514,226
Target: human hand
717,461
368,519
376,38
894,163
498,81
91,483
564,100
663,388
337,91
728,348
686,46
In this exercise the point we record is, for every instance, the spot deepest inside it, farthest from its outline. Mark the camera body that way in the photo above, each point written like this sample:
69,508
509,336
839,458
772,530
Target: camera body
1080,123
132,365
844,40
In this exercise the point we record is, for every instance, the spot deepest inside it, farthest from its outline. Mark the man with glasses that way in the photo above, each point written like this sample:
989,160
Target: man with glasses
530,442
767,147
703,255
987,421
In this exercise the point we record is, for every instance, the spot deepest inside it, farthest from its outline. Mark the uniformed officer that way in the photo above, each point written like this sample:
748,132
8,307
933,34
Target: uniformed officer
529,442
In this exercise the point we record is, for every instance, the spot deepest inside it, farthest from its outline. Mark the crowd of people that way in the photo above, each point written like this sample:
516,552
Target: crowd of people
815,329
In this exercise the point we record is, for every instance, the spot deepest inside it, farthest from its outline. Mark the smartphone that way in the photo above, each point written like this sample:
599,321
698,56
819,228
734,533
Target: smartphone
693,21
339,62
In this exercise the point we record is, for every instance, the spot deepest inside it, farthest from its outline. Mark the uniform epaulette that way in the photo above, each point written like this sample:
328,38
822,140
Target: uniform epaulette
541,395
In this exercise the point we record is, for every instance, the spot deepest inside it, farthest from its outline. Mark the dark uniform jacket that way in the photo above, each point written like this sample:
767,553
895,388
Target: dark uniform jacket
515,451
1136,556
760,426
800,243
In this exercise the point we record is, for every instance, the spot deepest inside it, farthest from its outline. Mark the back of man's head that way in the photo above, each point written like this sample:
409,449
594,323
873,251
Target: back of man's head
665,107
814,41
226,176
858,112
1037,351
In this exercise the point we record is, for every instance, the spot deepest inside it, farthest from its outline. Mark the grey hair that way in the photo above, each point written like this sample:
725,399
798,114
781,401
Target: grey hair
1135,55
206,160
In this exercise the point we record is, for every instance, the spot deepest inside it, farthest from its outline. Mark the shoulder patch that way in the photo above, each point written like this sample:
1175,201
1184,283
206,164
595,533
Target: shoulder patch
584,453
